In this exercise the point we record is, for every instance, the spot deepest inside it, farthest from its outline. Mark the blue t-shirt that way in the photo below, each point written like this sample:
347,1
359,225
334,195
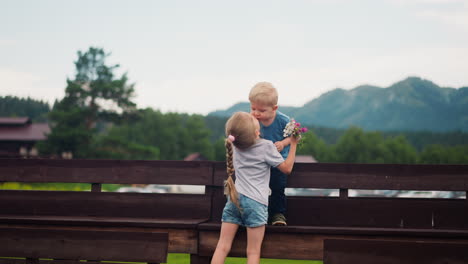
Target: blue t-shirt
274,132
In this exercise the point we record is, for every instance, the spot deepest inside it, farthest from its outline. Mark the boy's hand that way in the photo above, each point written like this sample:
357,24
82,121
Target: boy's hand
279,146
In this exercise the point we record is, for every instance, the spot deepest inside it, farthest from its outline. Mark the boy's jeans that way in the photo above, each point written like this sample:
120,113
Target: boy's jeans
277,200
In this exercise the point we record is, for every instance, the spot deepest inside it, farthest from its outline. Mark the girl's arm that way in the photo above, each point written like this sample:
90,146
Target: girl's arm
287,166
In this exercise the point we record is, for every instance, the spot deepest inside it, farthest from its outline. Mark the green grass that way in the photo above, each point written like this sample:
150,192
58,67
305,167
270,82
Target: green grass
185,259
55,186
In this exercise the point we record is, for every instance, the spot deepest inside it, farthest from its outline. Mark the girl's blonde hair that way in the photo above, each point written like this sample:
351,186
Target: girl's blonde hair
243,127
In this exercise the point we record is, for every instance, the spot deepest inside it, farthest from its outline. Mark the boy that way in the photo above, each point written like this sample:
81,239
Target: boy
263,99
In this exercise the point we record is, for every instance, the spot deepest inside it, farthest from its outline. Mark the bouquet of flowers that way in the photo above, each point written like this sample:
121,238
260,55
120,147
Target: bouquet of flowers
294,128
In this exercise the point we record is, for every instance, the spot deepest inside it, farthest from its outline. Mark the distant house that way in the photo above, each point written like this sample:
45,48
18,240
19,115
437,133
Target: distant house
18,136
195,156
305,159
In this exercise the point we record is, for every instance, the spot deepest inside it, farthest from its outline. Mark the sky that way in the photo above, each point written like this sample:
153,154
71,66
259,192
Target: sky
200,56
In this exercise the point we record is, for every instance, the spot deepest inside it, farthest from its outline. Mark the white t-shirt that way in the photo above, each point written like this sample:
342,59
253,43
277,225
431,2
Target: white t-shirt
252,166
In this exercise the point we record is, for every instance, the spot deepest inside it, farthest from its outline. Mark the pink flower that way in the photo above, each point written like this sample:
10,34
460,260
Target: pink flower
304,129
298,124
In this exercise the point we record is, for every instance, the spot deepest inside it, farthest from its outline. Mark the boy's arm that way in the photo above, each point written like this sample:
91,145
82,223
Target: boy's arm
280,145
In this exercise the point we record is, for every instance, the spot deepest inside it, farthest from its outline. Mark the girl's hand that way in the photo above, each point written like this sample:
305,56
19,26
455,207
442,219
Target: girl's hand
295,139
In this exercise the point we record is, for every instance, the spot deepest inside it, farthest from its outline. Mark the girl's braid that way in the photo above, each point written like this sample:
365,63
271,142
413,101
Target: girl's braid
229,186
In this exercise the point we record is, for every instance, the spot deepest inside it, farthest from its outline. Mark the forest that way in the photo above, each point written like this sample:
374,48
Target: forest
97,118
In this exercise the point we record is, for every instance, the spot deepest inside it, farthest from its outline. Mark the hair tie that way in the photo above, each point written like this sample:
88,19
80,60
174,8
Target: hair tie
231,138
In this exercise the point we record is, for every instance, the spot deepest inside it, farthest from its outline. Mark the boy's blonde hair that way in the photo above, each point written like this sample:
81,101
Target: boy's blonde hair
264,93
242,126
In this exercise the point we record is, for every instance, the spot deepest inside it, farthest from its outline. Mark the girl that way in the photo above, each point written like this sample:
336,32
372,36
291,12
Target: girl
247,205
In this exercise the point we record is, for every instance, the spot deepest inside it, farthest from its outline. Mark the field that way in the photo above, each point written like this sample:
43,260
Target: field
185,259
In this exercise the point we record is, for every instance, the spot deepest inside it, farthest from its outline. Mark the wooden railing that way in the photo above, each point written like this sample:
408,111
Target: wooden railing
318,227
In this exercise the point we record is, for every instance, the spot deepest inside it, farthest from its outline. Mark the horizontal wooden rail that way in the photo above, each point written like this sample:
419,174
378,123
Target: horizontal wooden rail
106,171
380,176
66,244
370,251
370,176
104,205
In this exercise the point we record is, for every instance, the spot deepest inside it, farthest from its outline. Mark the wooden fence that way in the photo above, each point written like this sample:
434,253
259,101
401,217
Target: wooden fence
320,228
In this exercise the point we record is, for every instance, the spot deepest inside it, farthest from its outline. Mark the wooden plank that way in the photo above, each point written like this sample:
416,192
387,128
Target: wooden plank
370,176
314,175
451,216
378,212
275,245
368,212
355,231
196,259
103,221
83,244
217,203
300,246
337,251
180,240
106,171
219,173
105,204
42,261
379,176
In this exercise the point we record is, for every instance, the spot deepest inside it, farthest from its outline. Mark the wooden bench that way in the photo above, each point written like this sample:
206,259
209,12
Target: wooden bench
370,251
176,214
311,220
45,245
192,221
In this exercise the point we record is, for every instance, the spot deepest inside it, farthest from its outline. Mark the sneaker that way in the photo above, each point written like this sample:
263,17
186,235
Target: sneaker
278,220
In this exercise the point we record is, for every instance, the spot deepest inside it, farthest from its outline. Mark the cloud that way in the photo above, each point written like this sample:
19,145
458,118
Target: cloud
193,94
26,84
412,2
205,92
7,42
455,17
443,66
450,12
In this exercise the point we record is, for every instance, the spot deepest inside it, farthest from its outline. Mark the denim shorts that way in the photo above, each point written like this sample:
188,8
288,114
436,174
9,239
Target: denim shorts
253,213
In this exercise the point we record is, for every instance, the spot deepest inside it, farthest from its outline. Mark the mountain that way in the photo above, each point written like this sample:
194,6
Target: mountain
413,104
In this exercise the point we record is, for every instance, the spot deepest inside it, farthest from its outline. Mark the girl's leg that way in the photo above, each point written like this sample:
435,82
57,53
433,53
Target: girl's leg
254,243
228,232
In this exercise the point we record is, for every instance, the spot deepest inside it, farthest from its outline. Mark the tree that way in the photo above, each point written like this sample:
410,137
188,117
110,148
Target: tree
438,154
115,147
12,106
94,96
357,146
219,149
315,146
175,135
398,150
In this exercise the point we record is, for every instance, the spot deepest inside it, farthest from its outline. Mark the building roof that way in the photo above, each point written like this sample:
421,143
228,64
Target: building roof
195,156
28,132
305,159
14,121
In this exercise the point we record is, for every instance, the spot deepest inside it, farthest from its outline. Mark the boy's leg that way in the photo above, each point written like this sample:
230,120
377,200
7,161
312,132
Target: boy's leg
228,232
277,200
254,243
